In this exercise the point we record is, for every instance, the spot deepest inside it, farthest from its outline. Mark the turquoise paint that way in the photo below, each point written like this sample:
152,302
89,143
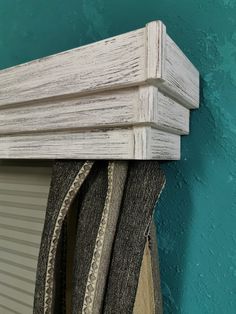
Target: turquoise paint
196,217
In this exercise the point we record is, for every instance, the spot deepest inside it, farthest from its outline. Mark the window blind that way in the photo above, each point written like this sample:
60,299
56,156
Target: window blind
24,188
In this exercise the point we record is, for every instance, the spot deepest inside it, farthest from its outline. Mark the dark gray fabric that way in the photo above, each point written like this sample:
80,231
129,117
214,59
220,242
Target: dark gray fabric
91,201
117,179
60,273
63,174
144,184
123,245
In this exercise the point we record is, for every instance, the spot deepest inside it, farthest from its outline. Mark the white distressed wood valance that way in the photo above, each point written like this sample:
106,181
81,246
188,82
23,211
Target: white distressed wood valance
126,97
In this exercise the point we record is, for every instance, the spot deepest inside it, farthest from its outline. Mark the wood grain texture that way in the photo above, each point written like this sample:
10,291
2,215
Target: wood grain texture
92,111
134,58
170,116
126,97
157,147
111,63
181,78
131,143
119,108
155,36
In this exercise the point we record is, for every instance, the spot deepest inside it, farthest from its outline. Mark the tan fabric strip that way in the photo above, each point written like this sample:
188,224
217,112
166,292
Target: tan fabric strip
148,298
145,302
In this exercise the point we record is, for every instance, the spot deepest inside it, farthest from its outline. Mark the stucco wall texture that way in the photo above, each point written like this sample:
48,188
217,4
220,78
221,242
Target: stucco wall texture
196,217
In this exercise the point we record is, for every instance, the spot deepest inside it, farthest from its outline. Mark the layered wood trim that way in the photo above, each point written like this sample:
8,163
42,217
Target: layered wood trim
130,143
120,108
126,97
146,54
181,78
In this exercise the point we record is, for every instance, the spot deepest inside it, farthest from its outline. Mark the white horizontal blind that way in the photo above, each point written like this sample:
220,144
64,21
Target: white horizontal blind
24,188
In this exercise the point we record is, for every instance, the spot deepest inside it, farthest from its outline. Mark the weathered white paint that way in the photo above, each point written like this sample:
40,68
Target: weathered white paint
126,97
147,54
130,143
181,78
120,108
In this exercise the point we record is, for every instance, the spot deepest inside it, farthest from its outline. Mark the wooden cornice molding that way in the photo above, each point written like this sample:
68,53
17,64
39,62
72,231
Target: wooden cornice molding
126,97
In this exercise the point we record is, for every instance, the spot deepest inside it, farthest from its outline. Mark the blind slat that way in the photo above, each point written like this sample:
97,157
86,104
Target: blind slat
14,304
24,188
16,282
17,294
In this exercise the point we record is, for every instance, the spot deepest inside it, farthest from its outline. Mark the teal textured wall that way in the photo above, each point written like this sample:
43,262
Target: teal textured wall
196,217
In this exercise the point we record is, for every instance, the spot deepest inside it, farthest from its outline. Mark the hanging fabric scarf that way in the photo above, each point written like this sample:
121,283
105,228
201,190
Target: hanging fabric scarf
98,240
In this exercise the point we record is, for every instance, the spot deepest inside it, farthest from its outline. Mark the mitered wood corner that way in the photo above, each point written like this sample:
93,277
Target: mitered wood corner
125,97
